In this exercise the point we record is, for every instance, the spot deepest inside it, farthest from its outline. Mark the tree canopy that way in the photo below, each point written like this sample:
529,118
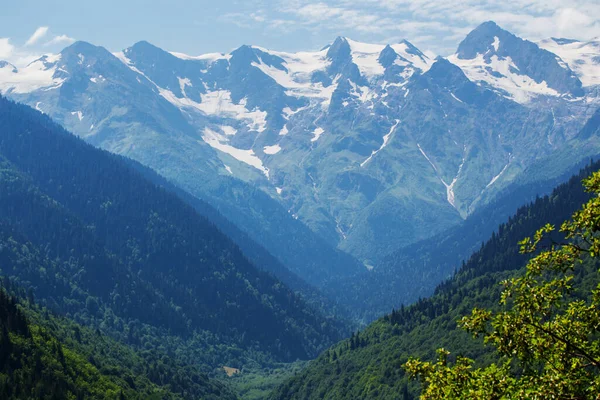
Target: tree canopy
547,331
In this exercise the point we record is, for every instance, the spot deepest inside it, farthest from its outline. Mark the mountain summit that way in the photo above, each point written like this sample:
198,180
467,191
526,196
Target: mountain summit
514,66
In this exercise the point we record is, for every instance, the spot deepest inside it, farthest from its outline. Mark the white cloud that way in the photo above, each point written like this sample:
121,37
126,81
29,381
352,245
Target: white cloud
6,49
258,19
438,25
21,56
59,39
15,55
317,15
37,35
533,19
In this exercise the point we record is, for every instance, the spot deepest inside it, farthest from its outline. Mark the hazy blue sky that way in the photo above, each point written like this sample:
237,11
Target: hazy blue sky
202,26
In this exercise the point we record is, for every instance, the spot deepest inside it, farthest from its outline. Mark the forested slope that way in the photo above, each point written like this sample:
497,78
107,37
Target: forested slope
120,253
44,356
368,366
325,298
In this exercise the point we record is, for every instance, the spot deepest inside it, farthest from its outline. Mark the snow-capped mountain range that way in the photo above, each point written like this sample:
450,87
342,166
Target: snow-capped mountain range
371,146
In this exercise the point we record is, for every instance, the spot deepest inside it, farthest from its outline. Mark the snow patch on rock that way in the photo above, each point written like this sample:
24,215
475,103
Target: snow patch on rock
386,139
219,142
272,149
317,134
79,115
583,58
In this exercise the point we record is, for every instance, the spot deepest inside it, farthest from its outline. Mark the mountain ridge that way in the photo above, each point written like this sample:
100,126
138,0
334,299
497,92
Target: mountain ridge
324,134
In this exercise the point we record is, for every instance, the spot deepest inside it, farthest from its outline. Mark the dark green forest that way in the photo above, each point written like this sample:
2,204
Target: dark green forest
43,356
89,238
369,364
323,298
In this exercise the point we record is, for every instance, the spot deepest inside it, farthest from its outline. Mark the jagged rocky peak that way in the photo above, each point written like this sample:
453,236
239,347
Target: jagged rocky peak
446,73
445,78
339,49
81,47
485,39
388,56
244,54
341,64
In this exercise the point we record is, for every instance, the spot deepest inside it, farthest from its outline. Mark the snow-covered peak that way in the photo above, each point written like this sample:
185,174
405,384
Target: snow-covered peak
39,74
307,74
302,64
583,58
366,56
517,68
409,52
316,75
